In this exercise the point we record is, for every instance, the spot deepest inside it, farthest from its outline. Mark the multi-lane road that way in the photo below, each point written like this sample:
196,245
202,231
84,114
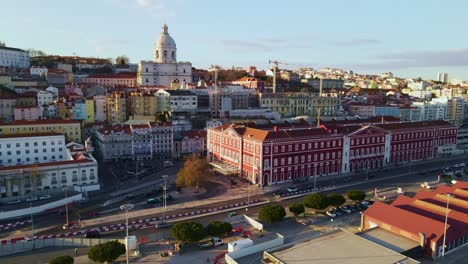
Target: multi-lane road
396,177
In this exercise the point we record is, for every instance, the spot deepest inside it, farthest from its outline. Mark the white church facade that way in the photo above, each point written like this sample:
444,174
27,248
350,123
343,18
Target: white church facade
164,69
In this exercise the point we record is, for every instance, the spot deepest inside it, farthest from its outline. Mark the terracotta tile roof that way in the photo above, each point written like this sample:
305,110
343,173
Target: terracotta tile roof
45,164
31,135
40,122
406,220
413,125
195,134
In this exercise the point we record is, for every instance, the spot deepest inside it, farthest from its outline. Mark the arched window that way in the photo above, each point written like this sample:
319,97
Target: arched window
173,54
157,54
165,54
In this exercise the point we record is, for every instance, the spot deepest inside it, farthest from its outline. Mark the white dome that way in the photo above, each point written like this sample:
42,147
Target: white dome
165,40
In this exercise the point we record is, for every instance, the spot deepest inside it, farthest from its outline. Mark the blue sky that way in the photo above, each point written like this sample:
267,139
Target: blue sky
408,37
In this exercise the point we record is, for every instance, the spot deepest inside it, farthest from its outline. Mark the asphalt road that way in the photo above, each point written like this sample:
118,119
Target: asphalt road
415,176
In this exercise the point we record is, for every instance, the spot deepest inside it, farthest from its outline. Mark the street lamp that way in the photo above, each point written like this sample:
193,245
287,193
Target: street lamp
126,207
32,222
445,225
65,189
164,197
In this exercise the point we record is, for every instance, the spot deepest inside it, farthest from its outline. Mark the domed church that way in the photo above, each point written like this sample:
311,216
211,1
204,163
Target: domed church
164,69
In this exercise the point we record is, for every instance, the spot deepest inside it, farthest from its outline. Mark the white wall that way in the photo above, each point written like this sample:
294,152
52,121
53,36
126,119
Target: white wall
278,241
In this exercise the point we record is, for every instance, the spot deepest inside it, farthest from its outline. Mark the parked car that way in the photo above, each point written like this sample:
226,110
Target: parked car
92,234
345,209
32,199
231,214
331,213
167,164
213,242
14,202
163,225
45,197
353,208
293,189
337,211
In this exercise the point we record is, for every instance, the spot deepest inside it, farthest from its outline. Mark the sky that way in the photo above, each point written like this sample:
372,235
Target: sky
411,38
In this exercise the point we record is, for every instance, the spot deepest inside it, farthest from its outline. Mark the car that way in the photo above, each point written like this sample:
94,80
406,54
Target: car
246,234
278,192
92,234
152,200
29,239
14,202
304,222
45,197
345,209
360,207
331,213
337,211
231,214
32,199
293,189
163,225
353,207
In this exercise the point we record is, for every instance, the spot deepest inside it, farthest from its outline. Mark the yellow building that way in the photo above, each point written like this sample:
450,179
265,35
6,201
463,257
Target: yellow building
70,128
5,80
116,108
89,110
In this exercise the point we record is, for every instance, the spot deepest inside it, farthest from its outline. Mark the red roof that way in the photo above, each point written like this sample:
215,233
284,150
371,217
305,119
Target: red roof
45,164
413,125
112,76
40,122
406,220
195,134
31,135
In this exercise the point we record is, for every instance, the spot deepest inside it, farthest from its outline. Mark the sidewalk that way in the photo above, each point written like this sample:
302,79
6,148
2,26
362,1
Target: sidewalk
239,193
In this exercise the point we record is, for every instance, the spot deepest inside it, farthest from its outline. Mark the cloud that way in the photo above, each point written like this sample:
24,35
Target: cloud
418,59
358,42
157,8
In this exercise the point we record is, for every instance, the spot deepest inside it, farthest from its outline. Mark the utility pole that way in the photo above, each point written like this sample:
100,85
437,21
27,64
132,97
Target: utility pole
126,207
65,189
32,220
164,196
445,224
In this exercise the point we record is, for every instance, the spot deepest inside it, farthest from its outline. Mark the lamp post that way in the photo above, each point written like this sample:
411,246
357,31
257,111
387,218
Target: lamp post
126,207
164,197
65,189
445,224
248,197
32,221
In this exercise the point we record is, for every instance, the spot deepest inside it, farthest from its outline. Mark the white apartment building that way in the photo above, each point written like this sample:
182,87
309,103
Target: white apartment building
100,106
35,162
38,70
135,142
13,57
180,100
433,110
28,149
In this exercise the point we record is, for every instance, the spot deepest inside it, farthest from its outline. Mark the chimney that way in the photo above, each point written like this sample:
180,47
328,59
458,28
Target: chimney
422,239
321,86
275,128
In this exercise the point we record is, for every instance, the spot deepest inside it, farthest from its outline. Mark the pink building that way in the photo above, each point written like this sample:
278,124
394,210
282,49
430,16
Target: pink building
112,80
26,113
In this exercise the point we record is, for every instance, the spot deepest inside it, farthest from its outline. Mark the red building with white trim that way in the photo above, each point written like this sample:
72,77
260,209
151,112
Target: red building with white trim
272,154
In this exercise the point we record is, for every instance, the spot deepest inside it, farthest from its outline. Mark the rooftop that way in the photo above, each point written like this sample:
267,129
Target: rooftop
338,247
33,135
40,122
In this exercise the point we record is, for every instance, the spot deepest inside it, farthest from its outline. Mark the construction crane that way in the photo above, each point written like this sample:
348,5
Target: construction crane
215,69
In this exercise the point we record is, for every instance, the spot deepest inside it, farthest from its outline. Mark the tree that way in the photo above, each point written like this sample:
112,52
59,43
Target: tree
106,252
316,201
195,172
297,208
36,53
62,260
188,232
335,199
122,60
356,195
218,228
271,213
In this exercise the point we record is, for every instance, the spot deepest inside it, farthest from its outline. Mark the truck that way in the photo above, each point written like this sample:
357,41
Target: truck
213,242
